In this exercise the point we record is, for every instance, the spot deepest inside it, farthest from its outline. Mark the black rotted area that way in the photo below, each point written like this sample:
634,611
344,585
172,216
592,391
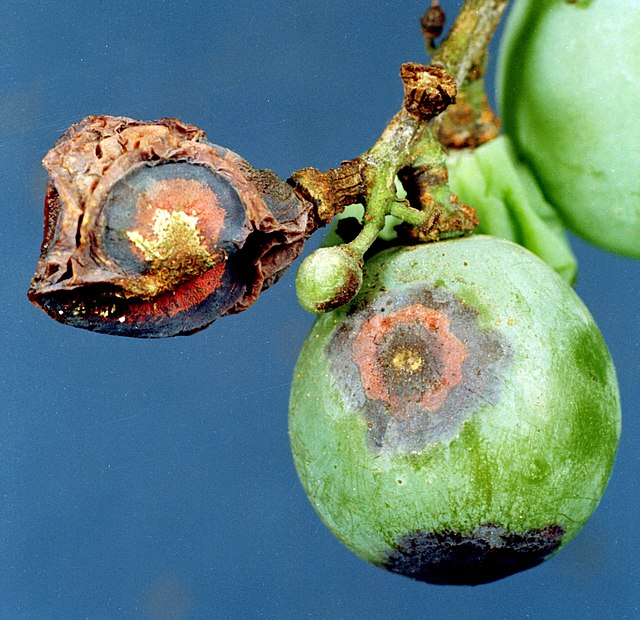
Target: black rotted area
486,554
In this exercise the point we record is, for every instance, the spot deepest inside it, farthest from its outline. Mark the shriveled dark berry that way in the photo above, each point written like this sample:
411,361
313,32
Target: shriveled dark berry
151,230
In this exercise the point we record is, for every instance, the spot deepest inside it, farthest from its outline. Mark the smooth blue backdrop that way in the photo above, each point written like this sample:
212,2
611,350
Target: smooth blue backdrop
153,479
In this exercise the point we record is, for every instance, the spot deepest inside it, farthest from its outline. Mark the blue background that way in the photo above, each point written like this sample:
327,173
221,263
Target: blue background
153,479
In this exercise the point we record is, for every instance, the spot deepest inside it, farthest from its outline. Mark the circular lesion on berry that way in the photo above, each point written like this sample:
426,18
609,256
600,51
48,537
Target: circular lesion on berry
175,229
417,370
409,356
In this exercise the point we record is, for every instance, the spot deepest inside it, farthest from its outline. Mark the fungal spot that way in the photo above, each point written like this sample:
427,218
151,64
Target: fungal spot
485,554
417,372
408,356
150,234
175,251
407,360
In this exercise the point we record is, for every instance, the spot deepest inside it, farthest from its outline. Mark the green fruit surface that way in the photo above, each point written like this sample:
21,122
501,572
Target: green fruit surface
569,97
524,440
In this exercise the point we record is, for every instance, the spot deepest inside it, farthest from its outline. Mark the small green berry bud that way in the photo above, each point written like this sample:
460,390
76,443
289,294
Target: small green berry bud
328,278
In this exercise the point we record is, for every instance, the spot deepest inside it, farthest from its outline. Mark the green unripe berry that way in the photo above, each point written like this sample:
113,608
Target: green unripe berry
569,96
458,420
328,278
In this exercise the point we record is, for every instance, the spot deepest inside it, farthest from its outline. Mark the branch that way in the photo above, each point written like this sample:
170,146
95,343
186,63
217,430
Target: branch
409,149
467,42
410,138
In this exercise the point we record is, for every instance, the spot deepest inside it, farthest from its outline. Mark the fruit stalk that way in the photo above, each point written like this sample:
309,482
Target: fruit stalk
469,37
411,135
409,149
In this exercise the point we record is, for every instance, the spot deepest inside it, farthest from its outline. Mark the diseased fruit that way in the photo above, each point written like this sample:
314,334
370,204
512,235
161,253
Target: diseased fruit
569,96
458,420
153,231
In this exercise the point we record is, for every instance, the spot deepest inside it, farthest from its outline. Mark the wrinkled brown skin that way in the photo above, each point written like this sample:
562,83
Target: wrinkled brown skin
333,190
428,90
78,281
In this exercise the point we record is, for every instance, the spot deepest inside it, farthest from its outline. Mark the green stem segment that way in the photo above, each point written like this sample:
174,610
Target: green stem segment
409,149
408,214
467,42
409,141
369,233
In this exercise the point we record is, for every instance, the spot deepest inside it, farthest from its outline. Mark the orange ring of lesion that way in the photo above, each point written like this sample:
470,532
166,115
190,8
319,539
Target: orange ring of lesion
178,224
443,345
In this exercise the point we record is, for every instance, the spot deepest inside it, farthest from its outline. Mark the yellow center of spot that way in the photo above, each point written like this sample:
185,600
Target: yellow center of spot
175,252
407,359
